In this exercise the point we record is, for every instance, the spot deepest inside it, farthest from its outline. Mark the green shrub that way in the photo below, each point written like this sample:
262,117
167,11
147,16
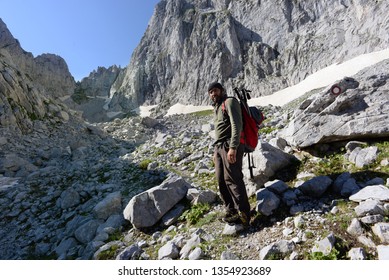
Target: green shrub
108,254
266,130
79,96
160,151
207,219
197,211
144,163
333,255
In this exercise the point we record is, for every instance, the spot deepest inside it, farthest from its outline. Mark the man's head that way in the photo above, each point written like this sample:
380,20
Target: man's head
216,92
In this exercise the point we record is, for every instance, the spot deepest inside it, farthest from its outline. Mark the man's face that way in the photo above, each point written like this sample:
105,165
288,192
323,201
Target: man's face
215,94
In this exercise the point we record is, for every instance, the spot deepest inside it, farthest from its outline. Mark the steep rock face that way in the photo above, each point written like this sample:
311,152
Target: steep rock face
52,72
30,86
99,82
8,43
93,92
265,45
20,102
49,72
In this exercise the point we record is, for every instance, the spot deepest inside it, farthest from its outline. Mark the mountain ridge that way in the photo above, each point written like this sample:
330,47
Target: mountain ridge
243,43
64,183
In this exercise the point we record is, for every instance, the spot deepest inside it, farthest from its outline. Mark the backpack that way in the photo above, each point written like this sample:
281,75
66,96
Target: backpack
252,118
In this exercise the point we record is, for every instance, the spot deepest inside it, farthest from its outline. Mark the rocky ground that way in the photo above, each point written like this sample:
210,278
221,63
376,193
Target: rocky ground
64,188
54,177
182,145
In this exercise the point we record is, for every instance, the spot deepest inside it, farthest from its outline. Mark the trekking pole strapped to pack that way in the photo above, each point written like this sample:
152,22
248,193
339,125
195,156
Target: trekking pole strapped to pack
252,119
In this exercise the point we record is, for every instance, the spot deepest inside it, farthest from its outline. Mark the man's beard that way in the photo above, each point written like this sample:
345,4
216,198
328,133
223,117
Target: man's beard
217,100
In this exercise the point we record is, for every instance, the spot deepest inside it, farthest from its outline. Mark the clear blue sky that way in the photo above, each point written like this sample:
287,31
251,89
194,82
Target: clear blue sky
86,33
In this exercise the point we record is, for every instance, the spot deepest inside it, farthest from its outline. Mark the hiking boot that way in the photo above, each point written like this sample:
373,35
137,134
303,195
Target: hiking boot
227,215
232,219
245,220
237,219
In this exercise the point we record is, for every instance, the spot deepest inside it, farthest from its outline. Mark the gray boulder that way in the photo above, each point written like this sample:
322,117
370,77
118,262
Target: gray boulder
356,254
189,246
359,111
383,252
196,254
370,206
86,232
147,208
168,251
316,186
337,185
110,205
232,229
267,202
227,255
372,219
289,197
381,230
276,186
378,192
69,198
149,122
349,187
205,196
267,160
277,250
132,252
325,245
172,215
355,228
65,245
361,157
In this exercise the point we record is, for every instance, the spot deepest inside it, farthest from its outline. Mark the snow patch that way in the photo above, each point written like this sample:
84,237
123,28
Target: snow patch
186,109
321,78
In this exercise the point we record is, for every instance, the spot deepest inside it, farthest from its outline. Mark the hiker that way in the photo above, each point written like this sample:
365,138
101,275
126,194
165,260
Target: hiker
228,155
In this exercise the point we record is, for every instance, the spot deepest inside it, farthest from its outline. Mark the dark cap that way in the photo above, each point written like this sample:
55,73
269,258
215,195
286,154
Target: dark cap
215,85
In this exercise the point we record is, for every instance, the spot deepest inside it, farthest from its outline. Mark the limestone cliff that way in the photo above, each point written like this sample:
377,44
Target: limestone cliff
48,71
93,92
266,45
30,87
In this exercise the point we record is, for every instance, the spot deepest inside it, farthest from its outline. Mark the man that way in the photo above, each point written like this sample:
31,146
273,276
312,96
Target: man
228,155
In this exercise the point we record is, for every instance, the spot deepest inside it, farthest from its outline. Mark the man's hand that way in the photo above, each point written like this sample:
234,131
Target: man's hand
231,155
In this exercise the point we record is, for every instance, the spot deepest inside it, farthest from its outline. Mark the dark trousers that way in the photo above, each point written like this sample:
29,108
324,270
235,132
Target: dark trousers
230,179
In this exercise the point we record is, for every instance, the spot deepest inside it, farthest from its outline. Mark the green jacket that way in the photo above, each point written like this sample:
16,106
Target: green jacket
229,124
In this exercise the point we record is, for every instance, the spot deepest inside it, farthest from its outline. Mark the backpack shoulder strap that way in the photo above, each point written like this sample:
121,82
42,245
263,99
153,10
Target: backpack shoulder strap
224,105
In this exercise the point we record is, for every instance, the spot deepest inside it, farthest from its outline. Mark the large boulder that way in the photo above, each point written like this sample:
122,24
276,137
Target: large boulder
147,208
377,192
267,202
109,206
361,109
316,186
267,161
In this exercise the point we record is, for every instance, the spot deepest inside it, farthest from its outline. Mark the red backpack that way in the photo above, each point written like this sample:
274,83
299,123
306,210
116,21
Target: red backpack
252,118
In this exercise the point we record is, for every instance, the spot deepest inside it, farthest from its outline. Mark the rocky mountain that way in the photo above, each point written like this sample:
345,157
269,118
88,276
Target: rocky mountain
144,188
48,71
31,88
92,95
264,45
